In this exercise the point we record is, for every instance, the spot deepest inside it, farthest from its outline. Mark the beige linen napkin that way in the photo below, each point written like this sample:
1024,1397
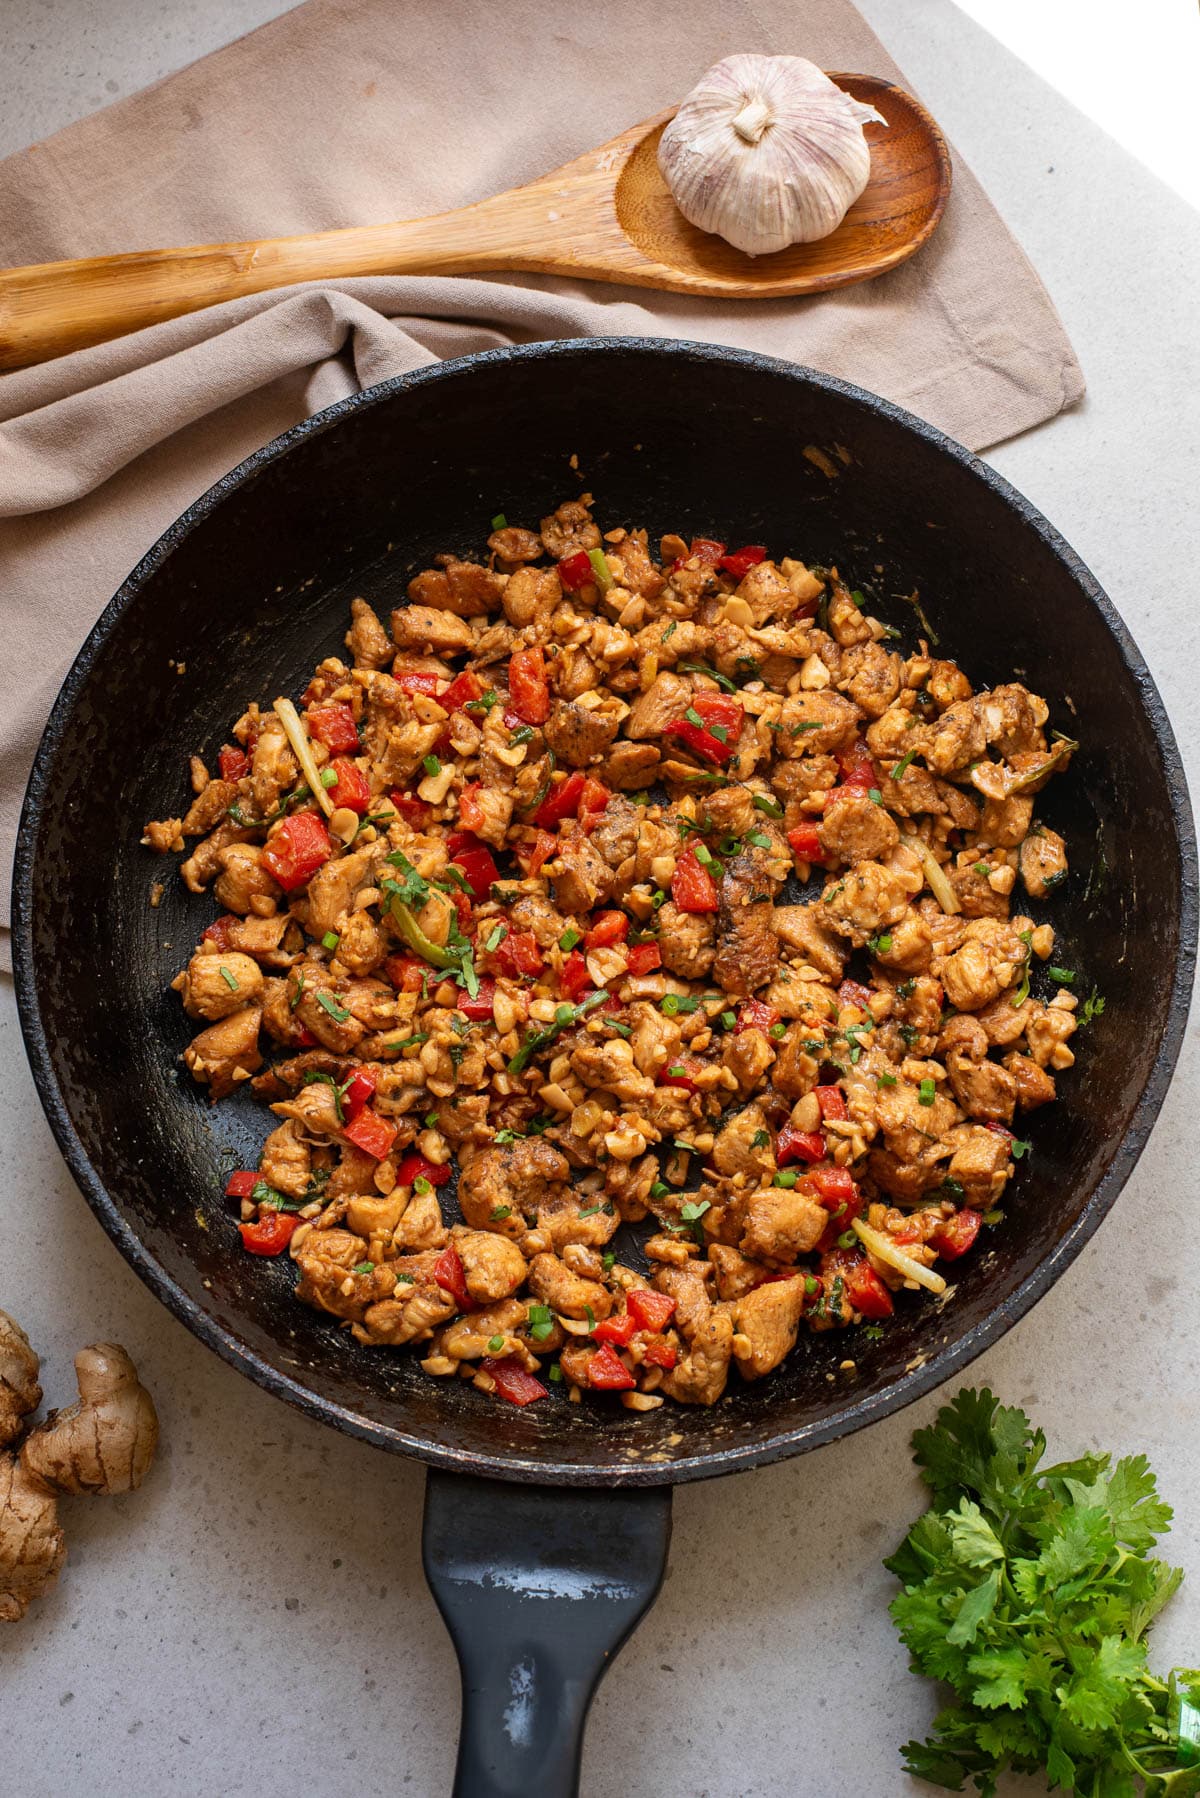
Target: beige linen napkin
352,111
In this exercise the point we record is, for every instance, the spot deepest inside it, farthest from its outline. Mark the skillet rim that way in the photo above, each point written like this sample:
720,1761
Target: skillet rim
854,1414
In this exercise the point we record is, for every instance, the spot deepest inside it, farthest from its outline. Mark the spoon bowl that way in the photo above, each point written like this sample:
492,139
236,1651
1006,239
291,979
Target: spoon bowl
606,216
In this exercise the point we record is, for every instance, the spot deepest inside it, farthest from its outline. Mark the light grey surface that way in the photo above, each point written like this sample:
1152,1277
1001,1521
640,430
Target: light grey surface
255,1621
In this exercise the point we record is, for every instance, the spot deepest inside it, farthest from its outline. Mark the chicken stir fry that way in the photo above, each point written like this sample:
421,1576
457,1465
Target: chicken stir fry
661,891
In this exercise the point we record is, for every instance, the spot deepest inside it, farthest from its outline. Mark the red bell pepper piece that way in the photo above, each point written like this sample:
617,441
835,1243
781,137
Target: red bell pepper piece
407,973
576,571
574,978
513,1382
544,846
334,726
296,849
957,1234
414,811
643,958
608,1373
233,763
474,858
470,814
373,1134
353,790
851,992
740,561
1000,1130
610,927
464,688
756,1014
706,550
528,687
806,843
692,887
451,1276
418,680
653,1310
716,709
660,1353
479,1008
218,931
271,1234
415,1167
562,801
241,1184
835,1188
857,767
866,1291
618,1329
832,1101
593,802
798,1145
518,955
681,1074
359,1090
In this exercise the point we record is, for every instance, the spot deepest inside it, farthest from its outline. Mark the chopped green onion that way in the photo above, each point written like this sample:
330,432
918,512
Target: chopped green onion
603,572
693,717
899,770
499,522
671,1004
1063,975
364,1267
541,1322
328,778
759,839
569,938
591,1210
608,1261
330,940
495,1344
885,1080
1020,1148
778,1030
500,1212
431,1120
327,1002
722,680
673,626
496,938
767,805
229,979
431,764
556,1374
703,854
926,1093
858,597
658,1190
874,795
719,732
847,1239
786,1177
728,1019
421,1185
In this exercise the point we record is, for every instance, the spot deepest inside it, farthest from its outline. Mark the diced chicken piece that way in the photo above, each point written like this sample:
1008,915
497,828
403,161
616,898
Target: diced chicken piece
362,944
735,1273
984,1089
1003,1022
569,529
514,544
286,1161
493,1266
747,1055
988,961
570,1218
796,1068
244,884
870,676
467,1338
947,684
699,1376
1034,1085
495,805
429,631
578,735
854,828
422,1225
911,945
314,1107
781,1224
326,1260
204,863
816,723
766,592
373,1215
213,986
974,891
801,930
499,1188
332,888
746,1145
367,641
1005,822
687,941
959,737
633,568
164,835
1043,861
552,1281
464,588
662,704
610,1067
227,1053
532,596
262,938
747,948
209,807
1013,718
864,901
583,879
1048,1030
980,1163
615,837
630,766
766,1322
274,769
909,1122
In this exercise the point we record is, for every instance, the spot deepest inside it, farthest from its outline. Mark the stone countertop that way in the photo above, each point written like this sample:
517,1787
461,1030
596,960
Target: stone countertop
256,1617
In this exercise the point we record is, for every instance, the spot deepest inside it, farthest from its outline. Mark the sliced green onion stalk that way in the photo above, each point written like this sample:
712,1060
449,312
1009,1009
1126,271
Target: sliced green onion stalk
599,562
416,939
1064,747
884,1249
297,736
935,876
500,522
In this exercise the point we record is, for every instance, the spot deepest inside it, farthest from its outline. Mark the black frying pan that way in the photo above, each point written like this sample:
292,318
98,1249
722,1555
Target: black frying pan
240,599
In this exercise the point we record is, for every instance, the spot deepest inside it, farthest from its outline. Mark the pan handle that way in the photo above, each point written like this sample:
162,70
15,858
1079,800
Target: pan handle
539,1587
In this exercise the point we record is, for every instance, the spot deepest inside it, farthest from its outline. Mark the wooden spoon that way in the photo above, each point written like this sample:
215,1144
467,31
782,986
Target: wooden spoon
607,216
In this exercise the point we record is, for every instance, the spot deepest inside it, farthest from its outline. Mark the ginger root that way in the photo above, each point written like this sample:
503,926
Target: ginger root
103,1443
19,1389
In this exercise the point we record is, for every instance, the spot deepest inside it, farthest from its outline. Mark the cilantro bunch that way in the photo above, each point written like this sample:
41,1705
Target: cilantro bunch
1029,1590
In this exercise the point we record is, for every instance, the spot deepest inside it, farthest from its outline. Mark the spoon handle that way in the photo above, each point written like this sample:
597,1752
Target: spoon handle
54,307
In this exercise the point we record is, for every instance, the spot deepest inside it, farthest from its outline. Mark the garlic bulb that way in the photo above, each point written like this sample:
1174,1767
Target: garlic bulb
766,151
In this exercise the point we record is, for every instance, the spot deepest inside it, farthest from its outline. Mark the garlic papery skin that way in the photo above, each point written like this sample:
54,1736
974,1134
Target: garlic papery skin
767,151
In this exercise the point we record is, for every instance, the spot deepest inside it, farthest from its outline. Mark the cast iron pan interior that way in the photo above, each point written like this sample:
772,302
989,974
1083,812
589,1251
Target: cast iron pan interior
251,588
